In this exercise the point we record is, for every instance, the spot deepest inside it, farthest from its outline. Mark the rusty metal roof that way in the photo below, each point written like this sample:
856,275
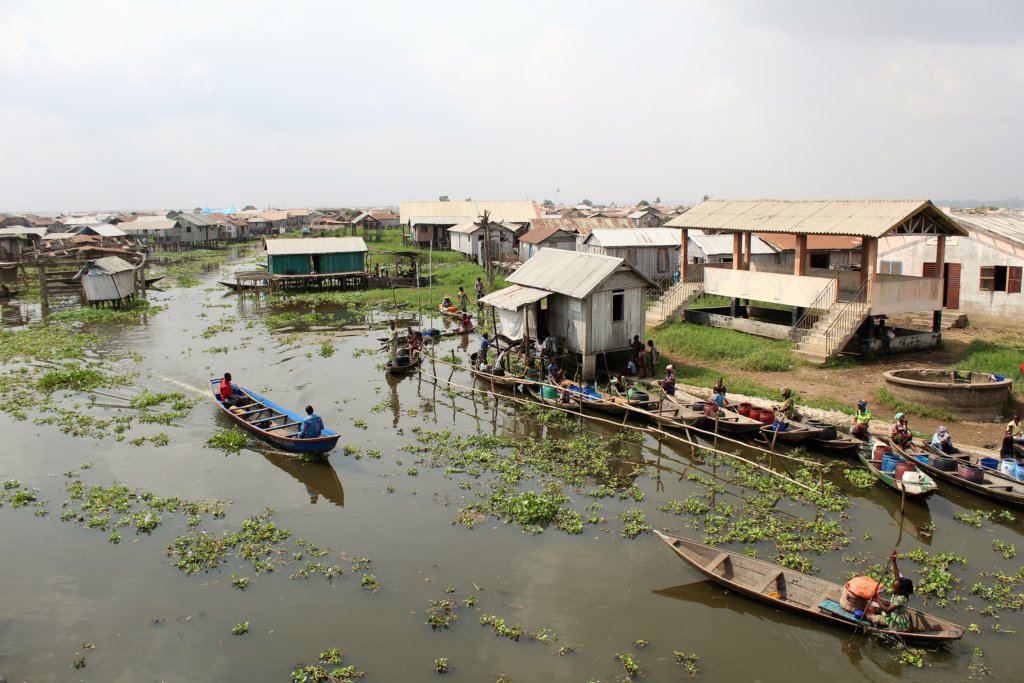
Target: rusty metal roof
582,226
514,297
315,245
520,211
856,217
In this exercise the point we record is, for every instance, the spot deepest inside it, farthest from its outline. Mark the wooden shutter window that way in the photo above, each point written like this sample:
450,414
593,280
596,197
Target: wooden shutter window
988,279
1013,277
931,270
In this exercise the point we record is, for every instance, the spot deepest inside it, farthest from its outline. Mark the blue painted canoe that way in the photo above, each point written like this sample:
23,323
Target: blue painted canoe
272,423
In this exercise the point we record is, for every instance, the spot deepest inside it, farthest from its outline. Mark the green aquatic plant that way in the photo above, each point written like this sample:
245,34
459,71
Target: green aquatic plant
231,440
241,628
441,665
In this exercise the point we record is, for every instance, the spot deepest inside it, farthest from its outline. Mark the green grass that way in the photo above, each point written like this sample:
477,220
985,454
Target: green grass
716,345
883,397
997,359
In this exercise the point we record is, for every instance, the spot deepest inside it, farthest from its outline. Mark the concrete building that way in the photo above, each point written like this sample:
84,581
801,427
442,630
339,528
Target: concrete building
829,306
652,251
982,270
591,304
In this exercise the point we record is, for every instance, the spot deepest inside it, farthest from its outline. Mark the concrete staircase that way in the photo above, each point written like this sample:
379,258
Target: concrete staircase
673,301
829,335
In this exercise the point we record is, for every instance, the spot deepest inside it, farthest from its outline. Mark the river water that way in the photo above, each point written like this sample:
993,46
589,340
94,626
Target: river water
64,585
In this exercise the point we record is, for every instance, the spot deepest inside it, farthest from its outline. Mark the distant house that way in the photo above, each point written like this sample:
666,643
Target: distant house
704,248
268,222
388,219
468,238
545,237
316,255
12,221
197,227
100,229
645,217
982,271
591,304
157,231
429,221
16,241
107,279
654,252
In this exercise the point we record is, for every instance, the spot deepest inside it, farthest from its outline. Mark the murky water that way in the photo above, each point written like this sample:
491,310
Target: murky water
64,585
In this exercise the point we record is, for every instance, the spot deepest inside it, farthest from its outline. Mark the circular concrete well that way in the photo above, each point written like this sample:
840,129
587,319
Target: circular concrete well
967,395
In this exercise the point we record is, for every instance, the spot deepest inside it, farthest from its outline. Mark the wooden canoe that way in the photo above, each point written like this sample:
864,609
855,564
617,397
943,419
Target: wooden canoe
496,380
452,311
870,455
995,485
609,405
236,287
789,589
394,368
843,444
534,390
272,423
673,415
150,281
728,421
794,433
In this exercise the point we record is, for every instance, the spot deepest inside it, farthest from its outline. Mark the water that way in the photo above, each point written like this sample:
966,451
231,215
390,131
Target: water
65,585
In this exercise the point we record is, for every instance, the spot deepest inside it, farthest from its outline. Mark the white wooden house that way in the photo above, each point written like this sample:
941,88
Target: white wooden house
652,251
468,238
592,304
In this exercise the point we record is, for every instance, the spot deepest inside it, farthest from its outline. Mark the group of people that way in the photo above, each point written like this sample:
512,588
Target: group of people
310,427
643,360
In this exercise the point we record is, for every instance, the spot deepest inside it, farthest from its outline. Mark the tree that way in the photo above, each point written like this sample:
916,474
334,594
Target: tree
249,207
705,198
643,202
587,202
547,203
657,200
443,198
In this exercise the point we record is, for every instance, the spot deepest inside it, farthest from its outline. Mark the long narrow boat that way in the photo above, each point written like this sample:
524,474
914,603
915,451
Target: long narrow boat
240,286
272,423
395,368
870,455
602,403
150,281
843,444
497,380
789,589
536,391
992,484
674,415
728,421
451,311
793,433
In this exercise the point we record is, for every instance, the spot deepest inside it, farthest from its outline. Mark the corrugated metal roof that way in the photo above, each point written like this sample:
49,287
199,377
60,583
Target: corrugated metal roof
1004,224
437,220
637,237
860,217
514,297
202,220
571,273
517,211
469,227
315,245
106,230
22,231
109,265
537,235
582,226
149,223
722,244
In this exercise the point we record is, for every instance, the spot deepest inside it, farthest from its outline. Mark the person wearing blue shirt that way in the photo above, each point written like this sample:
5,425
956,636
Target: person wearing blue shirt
311,425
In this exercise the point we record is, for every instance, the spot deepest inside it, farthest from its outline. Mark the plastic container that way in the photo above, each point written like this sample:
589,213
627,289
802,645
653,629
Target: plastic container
970,472
709,409
889,462
744,409
989,463
1020,472
944,463
1008,467
767,416
779,426
922,458
857,592
902,467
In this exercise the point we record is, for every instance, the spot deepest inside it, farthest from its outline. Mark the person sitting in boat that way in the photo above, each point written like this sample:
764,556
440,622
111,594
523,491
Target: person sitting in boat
668,385
410,335
554,373
1015,430
230,394
532,372
311,425
893,614
901,434
861,420
415,346
631,368
463,299
788,405
548,349
942,441
718,394
465,323
446,303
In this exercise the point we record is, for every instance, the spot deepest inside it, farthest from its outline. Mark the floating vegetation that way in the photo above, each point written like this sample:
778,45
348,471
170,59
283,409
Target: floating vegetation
976,518
629,664
370,583
1008,550
441,665
319,673
127,312
116,506
936,579
859,477
634,523
256,541
18,496
326,349
240,628
500,628
225,324
689,660
231,440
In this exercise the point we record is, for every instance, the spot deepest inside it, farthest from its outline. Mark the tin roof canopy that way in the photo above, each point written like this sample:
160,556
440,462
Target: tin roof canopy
856,217
514,297
572,273
315,245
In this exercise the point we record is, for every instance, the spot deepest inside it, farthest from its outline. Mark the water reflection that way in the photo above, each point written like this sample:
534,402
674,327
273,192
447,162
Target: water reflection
319,478
914,515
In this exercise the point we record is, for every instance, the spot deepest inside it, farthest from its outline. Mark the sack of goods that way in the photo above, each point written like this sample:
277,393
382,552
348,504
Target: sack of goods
857,592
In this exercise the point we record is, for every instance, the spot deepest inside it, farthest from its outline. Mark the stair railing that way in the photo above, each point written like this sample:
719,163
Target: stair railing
825,300
852,312
672,298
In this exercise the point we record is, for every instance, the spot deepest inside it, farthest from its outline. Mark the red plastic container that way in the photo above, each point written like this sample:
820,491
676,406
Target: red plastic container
767,416
709,409
744,409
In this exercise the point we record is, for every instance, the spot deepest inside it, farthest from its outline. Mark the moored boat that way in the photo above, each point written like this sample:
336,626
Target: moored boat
394,367
273,423
788,433
496,380
671,414
904,477
723,419
789,589
966,471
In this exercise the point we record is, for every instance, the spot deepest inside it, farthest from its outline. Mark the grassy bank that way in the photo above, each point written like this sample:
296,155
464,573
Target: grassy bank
716,345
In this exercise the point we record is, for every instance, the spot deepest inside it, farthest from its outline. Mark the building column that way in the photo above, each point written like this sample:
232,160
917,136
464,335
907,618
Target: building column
746,250
800,265
872,265
940,273
737,263
684,252
864,258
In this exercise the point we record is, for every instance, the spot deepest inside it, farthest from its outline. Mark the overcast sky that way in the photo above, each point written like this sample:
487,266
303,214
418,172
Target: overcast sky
176,104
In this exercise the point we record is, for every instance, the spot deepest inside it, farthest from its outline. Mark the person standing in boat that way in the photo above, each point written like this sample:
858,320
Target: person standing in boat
392,340
861,420
637,348
463,299
230,394
893,613
901,434
311,425
479,292
653,356
942,441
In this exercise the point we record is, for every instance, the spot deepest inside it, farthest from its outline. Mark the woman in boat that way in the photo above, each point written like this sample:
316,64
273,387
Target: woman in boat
446,303
943,441
410,335
311,425
893,613
532,373
901,434
668,385
415,346
463,299
788,405
465,323
861,420
718,393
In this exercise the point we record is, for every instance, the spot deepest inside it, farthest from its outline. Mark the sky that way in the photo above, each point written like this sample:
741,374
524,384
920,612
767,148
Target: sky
110,104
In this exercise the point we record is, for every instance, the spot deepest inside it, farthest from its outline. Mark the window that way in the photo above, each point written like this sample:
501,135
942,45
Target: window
891,267
618,305
993,279
188,228
819,260
662,260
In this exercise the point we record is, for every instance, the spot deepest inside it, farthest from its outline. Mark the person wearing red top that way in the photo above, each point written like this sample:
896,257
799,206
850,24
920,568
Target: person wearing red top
227,391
